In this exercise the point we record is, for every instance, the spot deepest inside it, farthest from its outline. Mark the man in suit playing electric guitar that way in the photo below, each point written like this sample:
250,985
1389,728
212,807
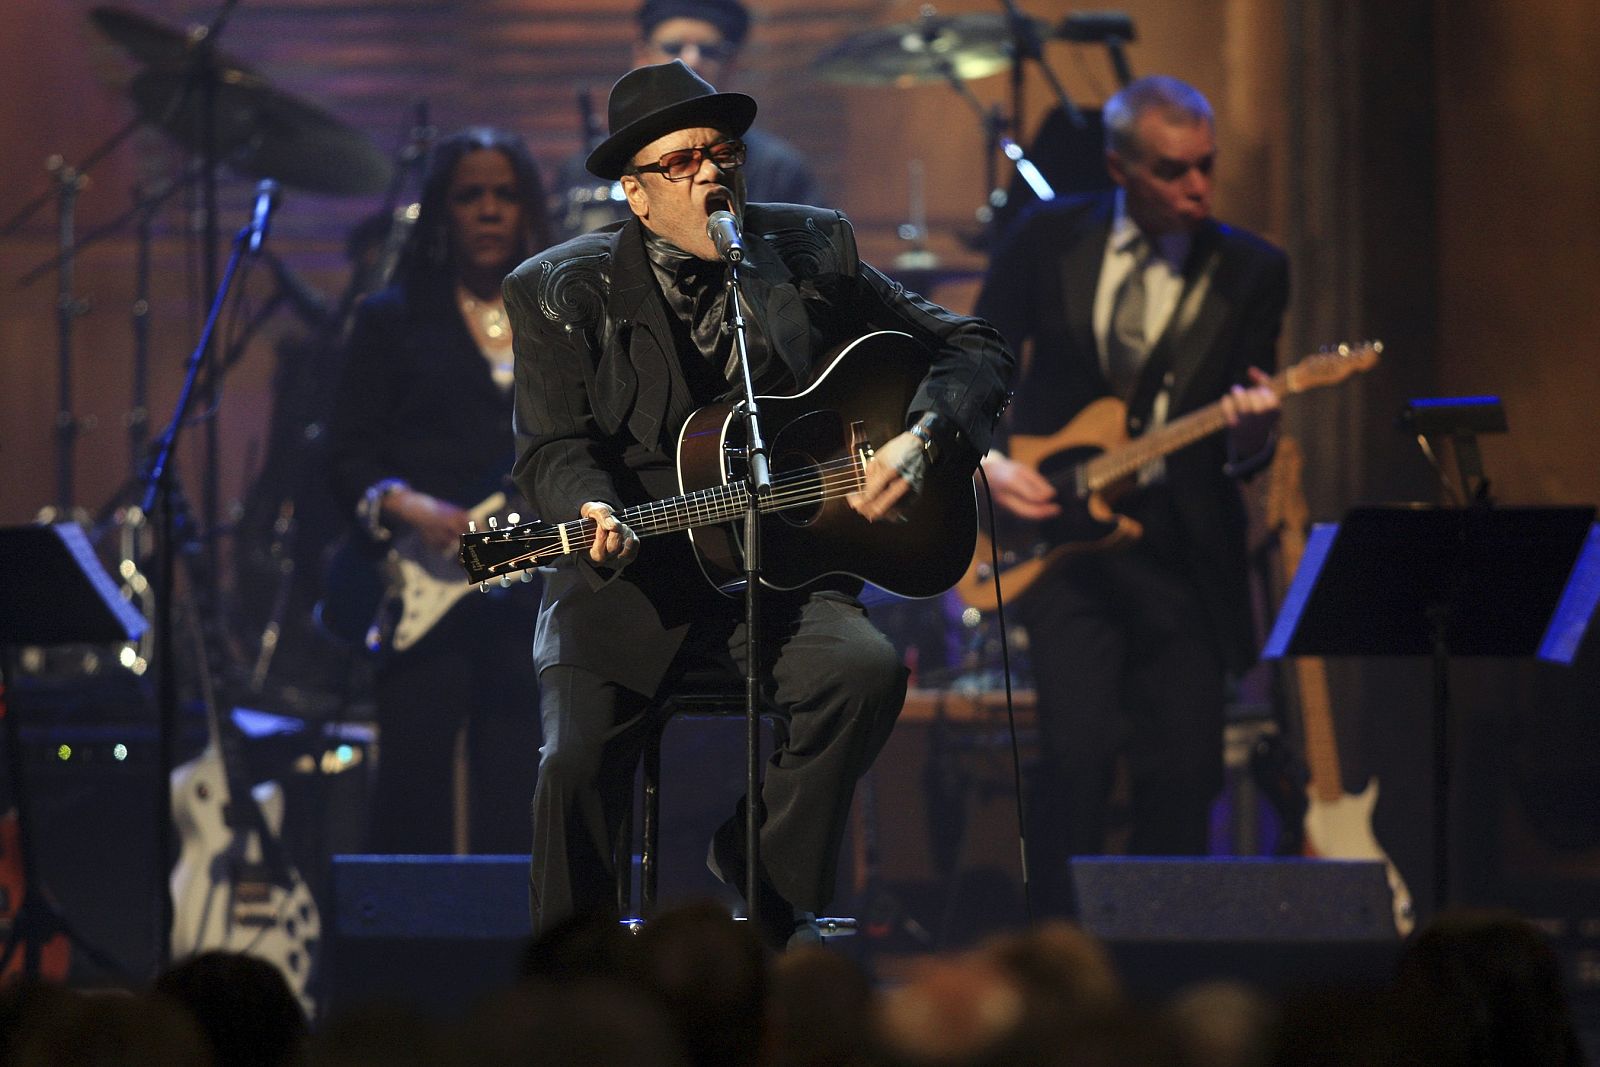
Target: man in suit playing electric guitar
619,339
1131,647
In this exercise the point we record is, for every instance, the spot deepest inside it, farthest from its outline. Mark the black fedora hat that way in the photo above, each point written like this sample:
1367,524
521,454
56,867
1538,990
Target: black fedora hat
652,101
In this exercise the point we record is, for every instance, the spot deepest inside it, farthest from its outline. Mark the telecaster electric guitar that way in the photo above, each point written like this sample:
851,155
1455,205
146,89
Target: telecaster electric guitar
1338,824
1091,461
820,441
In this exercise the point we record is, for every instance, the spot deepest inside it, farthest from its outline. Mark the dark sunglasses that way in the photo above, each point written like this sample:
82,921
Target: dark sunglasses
682,164
717,52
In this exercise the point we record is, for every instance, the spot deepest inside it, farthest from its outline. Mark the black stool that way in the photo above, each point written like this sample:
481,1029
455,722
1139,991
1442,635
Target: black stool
707,695
699,695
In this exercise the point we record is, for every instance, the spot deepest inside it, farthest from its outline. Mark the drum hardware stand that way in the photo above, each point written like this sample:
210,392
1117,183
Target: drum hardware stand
996,142
413,154
1025,46
914,231
68,181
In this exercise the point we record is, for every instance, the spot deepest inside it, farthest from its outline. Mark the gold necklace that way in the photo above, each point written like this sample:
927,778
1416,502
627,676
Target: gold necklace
491,317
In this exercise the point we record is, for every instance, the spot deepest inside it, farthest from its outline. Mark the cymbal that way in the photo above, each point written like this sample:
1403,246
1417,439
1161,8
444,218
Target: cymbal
912,53
155,43
262,132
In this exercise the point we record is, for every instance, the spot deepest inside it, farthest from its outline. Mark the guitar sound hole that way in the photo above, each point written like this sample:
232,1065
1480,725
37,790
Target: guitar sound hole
797,487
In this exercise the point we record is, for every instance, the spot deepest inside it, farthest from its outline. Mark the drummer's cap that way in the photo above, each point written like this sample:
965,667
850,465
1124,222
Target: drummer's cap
730,17
653,101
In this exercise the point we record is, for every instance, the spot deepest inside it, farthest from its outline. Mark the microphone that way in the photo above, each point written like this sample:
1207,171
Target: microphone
723,229
266,201
1092,27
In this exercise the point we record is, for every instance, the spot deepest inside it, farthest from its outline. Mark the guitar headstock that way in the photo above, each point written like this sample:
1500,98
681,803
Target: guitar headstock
499,553
1332,365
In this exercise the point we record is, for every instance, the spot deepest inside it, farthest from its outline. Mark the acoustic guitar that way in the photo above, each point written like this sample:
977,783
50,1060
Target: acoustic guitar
1338,825
1091,461
820,441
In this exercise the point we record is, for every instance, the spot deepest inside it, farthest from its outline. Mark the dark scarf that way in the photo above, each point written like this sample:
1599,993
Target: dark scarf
696,292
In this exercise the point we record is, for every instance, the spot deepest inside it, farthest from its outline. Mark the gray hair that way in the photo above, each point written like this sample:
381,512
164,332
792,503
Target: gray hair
1179,102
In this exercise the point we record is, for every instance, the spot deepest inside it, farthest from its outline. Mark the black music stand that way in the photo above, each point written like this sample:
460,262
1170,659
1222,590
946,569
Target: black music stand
53,591
1417,580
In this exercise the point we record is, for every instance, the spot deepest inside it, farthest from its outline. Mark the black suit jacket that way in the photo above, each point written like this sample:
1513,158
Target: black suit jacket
601,396
1040,293
416,401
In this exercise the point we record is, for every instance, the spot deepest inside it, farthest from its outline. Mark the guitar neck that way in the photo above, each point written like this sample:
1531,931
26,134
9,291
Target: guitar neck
1111,467
1316,710
1322,369
705,507
720,503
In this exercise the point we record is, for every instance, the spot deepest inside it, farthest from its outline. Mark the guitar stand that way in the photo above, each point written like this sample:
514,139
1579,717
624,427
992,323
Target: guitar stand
53,590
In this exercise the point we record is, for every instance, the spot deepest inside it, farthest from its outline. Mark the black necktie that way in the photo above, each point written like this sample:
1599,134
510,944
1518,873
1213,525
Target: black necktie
1126,344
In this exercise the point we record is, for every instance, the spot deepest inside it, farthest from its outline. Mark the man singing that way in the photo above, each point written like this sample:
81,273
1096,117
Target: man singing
619,339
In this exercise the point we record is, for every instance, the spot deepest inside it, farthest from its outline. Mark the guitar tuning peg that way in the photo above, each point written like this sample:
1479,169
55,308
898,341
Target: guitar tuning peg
513,518
505,581
492,524
483,587
527,576
472,526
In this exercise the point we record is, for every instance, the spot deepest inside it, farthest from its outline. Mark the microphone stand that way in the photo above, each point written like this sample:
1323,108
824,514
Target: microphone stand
160,489
758,481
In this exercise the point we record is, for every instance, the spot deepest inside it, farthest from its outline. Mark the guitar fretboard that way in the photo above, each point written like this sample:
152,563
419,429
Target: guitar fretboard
541,542
1321,369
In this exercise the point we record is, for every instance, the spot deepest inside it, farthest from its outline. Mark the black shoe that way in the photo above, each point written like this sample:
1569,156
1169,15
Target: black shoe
780,925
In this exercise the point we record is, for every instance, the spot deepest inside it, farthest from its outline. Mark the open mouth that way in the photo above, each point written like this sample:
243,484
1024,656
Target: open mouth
718,200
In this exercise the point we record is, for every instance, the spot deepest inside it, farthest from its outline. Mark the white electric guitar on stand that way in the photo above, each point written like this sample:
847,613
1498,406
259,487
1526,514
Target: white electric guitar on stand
234,888
1338,825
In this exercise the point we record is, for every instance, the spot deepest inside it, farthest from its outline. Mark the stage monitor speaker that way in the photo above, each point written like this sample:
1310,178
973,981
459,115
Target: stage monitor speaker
436,932
1276,923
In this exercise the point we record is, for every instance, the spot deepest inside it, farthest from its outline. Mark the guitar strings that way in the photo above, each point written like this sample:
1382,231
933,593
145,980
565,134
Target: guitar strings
716,503
1323,368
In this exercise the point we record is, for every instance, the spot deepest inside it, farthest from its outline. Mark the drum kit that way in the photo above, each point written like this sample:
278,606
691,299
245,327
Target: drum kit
228,119
954,50
958,49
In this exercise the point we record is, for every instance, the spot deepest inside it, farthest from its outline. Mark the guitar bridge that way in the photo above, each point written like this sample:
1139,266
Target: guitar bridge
861,448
